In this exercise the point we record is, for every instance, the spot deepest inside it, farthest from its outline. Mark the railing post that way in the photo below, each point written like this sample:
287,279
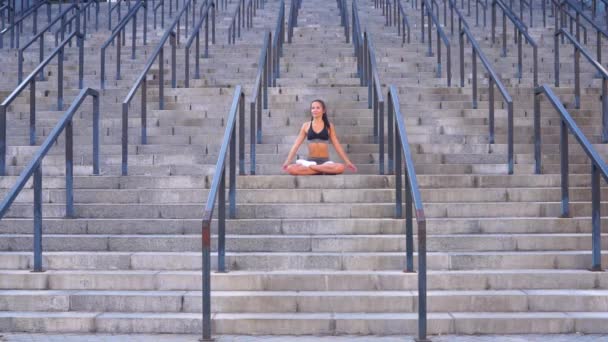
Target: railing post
118,54
398,174
519,55
474,80
577,78
232,176
80,43
510,133
390,136
125,138
604,110
221,221
144,111
381,136
563,147
422,324
556,58
60,79
596,237
537,133
173,43
187,64
134,36
33,112
438,54
161,78
2,140
252,138
96,134
409,230
206,270
504,34
241,143
38,219
491,109
69,170
461,42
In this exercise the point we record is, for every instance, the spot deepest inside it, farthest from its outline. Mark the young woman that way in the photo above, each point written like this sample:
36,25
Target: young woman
318,132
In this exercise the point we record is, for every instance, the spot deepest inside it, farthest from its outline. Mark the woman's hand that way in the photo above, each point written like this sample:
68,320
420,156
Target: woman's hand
285,165
351,166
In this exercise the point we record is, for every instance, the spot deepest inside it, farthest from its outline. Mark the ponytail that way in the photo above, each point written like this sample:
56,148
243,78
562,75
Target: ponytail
325,119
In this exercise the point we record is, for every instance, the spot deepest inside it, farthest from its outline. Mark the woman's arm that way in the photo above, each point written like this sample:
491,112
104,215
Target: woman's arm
338,147
296,146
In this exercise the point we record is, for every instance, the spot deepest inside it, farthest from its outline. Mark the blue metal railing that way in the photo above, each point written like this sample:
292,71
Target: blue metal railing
412,198
120,32
493,80
31,82
16,24
522,31
598,166
195,37
142,82
441,37
292,20
40,38
34,168
242,18
218,189
343,7
578,49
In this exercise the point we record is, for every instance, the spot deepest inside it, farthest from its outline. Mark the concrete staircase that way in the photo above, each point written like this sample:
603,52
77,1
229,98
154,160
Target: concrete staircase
312,255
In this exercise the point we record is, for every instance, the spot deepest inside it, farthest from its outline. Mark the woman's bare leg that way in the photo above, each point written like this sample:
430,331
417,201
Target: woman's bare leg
329,168
300,170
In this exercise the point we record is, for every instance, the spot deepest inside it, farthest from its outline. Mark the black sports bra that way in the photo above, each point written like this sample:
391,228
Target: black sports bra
322,136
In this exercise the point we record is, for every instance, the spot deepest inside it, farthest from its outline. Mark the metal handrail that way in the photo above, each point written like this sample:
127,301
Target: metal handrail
76,17
521,31
375,99
441,36
484,6
357,35
218,189
578,49
266,76
493,79
242,17
387,10
142,82
277,45
560,20
161,5
259,97
402,22
120,31
35,168
461,21
111,9
15,22
599,32
31,82
598,166
343,7
293,18
412,198
41,48
196,37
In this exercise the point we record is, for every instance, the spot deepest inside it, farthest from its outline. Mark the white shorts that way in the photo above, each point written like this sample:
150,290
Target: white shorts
308,163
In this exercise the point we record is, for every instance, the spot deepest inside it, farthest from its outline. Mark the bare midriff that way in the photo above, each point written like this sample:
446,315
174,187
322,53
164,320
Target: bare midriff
318,150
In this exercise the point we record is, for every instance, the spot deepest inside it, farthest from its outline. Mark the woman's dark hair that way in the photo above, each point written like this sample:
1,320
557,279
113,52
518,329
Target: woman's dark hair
325,119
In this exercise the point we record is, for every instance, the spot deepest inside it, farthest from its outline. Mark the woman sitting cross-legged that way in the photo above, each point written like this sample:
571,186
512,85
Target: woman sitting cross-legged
318,132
